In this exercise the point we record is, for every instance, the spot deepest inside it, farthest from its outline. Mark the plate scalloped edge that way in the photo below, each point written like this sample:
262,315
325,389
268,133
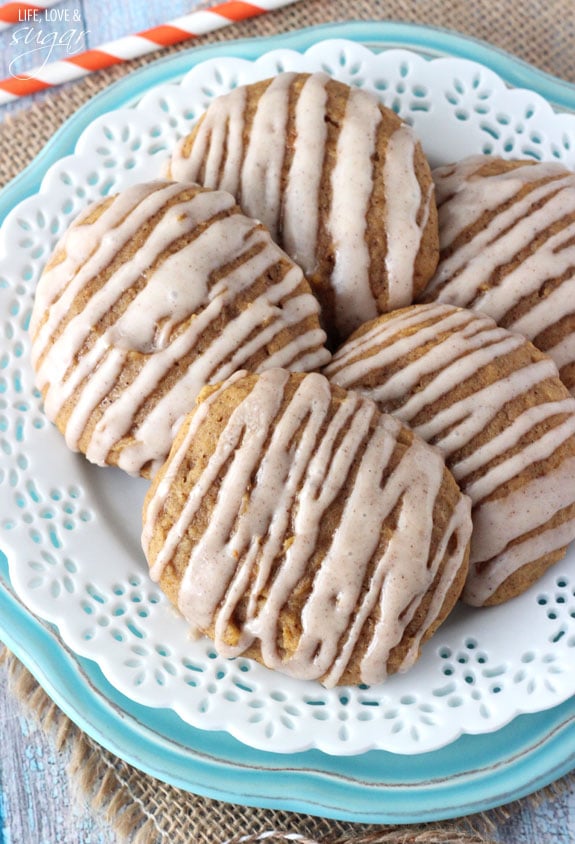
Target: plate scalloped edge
70,575
344,788
385,34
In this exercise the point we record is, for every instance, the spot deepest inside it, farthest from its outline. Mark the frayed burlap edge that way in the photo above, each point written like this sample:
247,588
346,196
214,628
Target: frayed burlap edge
541,32
142,810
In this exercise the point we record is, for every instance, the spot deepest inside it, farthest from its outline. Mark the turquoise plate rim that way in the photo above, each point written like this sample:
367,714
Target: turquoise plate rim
472,774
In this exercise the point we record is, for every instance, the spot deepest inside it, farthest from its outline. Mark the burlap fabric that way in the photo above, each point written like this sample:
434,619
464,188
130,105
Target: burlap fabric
541,32
141,809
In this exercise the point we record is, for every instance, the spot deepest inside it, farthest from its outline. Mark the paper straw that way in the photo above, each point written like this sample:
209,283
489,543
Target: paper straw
131,46
11,13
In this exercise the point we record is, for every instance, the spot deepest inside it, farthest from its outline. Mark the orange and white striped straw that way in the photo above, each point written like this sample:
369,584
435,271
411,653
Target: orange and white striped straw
19,12
131,46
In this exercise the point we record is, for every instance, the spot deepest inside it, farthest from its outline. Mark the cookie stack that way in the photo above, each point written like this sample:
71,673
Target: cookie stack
354,410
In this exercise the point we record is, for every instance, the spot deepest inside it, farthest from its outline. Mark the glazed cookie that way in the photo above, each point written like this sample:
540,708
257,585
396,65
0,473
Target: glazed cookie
295,524
150,295
339,180
496,408
507,236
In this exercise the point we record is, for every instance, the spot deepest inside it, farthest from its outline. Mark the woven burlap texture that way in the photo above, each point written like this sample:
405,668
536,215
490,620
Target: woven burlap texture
541,32
143,810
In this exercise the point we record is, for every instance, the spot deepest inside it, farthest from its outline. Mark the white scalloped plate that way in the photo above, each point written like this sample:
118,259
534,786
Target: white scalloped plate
71,531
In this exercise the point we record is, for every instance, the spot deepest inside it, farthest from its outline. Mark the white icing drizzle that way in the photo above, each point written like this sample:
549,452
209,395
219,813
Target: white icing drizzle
347,221
220,132
563,352
303,186
260,182
88,246
532,507
403,200
462,206
218,157
173,287
464,278
465,343
260,549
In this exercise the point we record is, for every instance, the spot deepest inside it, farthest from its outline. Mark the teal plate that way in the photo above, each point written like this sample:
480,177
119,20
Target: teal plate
473,773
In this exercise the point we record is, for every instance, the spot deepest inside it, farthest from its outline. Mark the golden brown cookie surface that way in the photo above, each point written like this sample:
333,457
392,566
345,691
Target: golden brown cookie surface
507,238
496,408
338,179
295,524
152,294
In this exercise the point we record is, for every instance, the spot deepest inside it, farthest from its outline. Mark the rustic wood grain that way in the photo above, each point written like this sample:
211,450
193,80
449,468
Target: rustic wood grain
37,805
83,25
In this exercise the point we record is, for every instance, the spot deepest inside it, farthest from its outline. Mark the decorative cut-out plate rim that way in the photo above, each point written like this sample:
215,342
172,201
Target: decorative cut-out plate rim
360,747
379,35
549,743
78,565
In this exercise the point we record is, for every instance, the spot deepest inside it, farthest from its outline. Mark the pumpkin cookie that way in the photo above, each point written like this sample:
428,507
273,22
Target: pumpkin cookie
150,295
507,235
295,524
340,181
496,408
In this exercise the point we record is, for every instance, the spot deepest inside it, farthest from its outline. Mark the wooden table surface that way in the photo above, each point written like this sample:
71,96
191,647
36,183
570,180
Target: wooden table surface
37,804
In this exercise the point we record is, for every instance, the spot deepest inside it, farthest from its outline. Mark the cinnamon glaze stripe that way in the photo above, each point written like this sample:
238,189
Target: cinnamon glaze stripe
151,295
284,460
497,410
507,241
315,160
